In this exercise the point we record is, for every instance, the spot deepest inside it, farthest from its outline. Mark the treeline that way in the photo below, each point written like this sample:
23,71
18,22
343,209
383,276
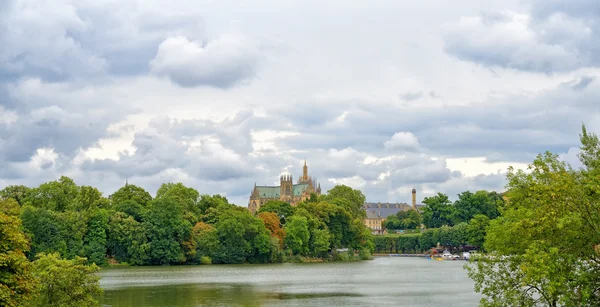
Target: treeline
181,226
440,211
458,237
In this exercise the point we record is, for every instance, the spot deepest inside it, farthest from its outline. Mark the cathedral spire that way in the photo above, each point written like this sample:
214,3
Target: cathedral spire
305,172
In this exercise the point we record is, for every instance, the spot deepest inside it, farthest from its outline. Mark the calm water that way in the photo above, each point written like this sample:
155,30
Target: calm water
385,281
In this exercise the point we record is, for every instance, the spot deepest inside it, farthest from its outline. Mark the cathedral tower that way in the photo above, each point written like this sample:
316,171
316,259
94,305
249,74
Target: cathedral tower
286,187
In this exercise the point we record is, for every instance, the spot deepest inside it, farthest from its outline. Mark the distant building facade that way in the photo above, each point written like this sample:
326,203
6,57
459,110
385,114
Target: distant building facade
286,191
378,212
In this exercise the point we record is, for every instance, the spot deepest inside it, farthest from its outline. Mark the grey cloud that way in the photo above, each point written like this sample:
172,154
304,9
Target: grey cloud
49,127
517,127
581,83
84,40
410,96
159,148
553,37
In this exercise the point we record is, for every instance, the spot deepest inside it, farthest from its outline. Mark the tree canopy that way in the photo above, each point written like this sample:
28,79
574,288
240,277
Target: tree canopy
547,235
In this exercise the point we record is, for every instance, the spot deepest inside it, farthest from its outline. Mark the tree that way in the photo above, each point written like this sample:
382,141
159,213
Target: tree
409,219
130,192
297,235
242,238
95,237
470,204
16,192
127,240
65,283
186,197
273,224
17,285
438,211
57,195
207,241
546,235
355,199
282,209
477,230
167,230
89,198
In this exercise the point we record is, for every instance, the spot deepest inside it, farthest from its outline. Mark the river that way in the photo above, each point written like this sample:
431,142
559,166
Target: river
384,281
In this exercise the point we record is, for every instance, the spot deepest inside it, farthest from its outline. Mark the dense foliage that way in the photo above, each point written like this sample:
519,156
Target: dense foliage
181,226
545,246
47,281
463,236
16,280
440,211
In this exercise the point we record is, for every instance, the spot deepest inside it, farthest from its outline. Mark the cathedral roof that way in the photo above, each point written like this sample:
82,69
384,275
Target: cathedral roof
273,191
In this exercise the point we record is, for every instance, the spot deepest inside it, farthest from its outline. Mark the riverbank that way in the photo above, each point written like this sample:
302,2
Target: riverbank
334,257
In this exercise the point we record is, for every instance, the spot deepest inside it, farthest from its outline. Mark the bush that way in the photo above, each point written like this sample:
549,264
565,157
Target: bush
205,260
343,256
365,254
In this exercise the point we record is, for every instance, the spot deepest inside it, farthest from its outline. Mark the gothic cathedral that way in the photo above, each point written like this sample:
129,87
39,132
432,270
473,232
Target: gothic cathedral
286,191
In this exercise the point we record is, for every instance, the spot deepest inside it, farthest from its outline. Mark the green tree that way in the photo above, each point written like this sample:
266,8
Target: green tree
282,209
126,240
355,199
130,192
186,197
477,230
89,198
17,285
44,227
242,238
438,211
57,195
131,208
207,241
167,230
409,219
470,204
95,237
297,235
546,235
319,245
16,192
65,283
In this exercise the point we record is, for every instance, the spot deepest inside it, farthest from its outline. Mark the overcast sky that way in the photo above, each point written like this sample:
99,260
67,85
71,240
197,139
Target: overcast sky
383,96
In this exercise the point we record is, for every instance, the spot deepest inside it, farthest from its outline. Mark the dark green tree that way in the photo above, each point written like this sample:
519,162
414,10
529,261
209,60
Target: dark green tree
130,192
167,230
438,211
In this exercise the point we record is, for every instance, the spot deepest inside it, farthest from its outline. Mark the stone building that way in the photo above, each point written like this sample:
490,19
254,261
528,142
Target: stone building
378,212
286,190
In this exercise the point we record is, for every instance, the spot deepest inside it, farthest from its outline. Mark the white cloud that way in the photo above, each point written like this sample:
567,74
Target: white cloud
224,62
402,140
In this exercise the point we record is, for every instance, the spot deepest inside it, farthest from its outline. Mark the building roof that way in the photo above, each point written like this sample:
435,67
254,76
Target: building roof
383,210
273,191
373,213
299,188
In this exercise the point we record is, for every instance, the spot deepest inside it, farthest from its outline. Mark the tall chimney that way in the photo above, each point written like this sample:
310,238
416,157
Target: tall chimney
414,199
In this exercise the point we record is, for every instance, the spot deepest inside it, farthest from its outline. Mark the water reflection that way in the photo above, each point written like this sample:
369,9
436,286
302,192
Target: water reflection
381,282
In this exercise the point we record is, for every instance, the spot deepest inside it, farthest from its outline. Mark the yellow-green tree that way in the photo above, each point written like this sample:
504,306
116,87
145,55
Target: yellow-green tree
543,244
65,283
17,284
